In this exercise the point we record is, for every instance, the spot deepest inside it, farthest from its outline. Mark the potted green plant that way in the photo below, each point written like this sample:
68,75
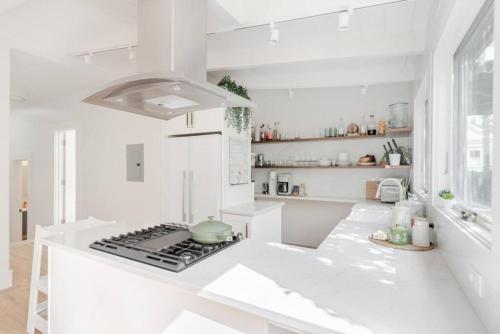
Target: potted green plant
446,199
236,117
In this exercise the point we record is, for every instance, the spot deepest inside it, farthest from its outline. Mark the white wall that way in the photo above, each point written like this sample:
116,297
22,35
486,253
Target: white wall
32,138
309,112
102,135
102,189
5,272
463,253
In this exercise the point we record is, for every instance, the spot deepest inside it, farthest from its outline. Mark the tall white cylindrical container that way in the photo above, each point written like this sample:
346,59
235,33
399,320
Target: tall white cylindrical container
273,183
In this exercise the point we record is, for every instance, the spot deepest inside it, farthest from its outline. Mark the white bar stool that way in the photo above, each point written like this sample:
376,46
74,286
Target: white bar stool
38,312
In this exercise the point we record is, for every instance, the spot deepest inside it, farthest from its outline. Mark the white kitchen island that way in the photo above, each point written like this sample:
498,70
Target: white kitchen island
347,285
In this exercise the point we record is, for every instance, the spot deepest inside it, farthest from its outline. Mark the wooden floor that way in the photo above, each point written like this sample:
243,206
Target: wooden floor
14,301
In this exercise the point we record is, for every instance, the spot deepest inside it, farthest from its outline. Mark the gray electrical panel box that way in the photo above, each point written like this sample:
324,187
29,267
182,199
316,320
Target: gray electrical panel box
135,163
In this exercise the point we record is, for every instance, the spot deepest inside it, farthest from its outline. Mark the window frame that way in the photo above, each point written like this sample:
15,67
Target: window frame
423,130
464,211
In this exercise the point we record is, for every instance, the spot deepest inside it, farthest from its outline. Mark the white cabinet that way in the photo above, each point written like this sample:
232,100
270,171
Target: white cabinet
257,220
192,178
198,122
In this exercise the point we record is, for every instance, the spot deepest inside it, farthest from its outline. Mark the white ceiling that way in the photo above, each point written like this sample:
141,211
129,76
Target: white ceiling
255,12
57,29
38,80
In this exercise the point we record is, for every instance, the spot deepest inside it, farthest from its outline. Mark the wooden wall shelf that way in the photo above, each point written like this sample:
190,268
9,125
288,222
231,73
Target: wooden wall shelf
337,167
391,133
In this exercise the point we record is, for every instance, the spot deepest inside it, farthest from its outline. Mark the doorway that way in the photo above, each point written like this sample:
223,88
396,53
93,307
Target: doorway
19,193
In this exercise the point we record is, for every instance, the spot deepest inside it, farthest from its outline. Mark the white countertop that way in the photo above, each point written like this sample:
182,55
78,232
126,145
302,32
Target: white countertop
347,285
310,198
251,209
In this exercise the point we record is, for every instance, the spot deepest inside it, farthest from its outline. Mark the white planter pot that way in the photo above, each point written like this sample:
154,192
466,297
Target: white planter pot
446,203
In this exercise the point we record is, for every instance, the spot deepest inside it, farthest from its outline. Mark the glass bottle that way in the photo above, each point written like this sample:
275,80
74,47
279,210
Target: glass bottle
269,133
363,127
275,131
372,126
341,129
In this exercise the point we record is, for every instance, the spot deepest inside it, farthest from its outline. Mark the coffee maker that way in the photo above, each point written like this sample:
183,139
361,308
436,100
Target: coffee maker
284,184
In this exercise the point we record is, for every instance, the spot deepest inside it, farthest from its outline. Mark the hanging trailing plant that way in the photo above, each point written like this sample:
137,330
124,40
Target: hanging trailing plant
236,117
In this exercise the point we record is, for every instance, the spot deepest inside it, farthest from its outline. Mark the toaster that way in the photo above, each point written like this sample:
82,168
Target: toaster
389,193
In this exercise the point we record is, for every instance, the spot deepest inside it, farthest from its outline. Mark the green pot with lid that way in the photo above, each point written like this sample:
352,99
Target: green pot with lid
399,235
211,231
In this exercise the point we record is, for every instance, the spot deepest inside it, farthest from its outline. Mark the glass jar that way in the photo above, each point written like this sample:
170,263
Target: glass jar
363,126
398,115
341,129
372,126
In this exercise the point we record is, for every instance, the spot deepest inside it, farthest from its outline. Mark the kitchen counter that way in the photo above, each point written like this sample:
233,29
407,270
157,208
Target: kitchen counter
347,285
310,198
252,209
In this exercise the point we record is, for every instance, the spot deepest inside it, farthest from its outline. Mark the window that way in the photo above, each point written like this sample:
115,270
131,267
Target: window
426,145
423,148
473,118
65,176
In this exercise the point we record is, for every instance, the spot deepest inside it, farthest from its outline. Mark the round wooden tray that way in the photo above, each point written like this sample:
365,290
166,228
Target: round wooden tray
402,247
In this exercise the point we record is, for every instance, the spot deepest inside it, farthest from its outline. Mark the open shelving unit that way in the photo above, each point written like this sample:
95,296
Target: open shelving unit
390,133
337,167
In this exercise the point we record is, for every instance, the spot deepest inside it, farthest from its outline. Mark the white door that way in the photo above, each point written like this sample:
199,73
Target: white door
176,162
205,177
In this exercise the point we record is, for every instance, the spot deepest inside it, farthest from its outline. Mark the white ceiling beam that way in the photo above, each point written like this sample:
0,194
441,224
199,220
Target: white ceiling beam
352,72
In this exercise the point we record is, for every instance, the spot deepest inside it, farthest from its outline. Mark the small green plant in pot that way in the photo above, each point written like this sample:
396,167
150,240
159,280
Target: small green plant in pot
447,199
236,117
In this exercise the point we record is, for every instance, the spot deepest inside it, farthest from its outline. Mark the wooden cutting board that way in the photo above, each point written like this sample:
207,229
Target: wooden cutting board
371,189
402,247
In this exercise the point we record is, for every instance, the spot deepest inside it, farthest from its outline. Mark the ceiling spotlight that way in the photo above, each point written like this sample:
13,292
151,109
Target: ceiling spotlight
177,88
87,58
275,34
364,89
131,53
344,18
290,93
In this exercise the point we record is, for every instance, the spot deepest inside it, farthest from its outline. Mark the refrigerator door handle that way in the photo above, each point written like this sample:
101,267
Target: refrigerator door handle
184,196
191,180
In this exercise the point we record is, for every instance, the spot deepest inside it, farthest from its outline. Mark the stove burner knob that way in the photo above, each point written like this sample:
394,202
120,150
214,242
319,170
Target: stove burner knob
186,257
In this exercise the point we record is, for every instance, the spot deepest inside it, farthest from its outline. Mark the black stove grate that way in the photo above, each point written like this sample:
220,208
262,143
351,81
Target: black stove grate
168,253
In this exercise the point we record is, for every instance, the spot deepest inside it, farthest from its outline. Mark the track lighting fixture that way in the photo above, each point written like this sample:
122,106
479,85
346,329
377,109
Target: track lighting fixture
131,53
275,34
344,18
87,58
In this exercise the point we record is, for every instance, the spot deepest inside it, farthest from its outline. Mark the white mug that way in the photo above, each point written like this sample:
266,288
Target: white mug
420,233
394,159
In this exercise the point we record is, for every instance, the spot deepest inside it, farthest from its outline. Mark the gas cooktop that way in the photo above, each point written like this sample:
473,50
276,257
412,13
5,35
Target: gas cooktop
167,246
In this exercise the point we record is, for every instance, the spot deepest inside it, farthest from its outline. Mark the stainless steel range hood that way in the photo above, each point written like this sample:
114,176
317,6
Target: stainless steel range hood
171,60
